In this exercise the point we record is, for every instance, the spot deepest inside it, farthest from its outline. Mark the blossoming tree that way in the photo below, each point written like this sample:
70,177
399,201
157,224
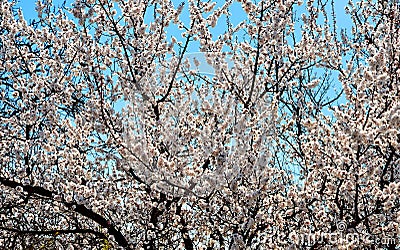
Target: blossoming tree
111,138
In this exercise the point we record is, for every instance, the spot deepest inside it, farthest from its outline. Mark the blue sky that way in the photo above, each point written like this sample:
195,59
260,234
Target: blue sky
237,15
343,20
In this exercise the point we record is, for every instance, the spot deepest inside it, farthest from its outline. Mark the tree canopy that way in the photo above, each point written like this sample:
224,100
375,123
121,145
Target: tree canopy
113,136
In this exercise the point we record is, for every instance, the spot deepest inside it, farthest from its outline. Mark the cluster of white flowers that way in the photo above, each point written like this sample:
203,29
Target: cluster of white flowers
109,139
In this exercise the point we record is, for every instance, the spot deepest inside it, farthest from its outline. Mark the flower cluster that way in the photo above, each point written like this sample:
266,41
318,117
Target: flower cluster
110,138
